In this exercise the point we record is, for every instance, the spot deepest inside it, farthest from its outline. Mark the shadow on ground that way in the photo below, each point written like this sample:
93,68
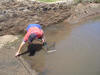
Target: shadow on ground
32,49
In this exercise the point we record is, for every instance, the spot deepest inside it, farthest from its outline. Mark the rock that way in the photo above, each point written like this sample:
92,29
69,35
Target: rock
2,18
0,28
94,5
7,38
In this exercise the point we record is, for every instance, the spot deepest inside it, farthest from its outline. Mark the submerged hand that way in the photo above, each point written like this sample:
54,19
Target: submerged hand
44,43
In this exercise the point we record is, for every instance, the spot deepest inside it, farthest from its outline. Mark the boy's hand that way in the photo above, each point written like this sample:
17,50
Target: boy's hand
17,53
44,43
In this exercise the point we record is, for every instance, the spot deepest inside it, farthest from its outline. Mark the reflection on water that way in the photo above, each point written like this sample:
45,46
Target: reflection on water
78,50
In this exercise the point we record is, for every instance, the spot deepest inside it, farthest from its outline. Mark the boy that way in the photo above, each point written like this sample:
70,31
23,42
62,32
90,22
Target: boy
34,31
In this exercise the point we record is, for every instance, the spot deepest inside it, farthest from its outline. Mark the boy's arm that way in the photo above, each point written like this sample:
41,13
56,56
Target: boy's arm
19,49
43,41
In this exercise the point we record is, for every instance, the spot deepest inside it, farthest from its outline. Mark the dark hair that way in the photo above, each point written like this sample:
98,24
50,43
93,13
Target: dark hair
31,37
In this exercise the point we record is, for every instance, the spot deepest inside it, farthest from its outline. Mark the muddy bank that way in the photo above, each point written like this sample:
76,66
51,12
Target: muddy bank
15,16
13,20
84,11
10,65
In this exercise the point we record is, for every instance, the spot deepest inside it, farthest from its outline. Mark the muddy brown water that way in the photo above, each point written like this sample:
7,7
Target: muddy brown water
78,50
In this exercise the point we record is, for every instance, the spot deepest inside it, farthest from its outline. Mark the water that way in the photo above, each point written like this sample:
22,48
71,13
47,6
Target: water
78,50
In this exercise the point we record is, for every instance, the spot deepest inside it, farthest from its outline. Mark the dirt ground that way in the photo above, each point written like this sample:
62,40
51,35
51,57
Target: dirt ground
15,18
9,64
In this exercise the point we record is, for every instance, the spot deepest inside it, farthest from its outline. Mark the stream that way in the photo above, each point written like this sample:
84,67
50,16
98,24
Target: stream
78,50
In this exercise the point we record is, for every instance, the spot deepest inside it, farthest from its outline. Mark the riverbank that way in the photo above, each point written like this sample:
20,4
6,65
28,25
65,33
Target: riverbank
14,20
8,50
84,11
9,64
